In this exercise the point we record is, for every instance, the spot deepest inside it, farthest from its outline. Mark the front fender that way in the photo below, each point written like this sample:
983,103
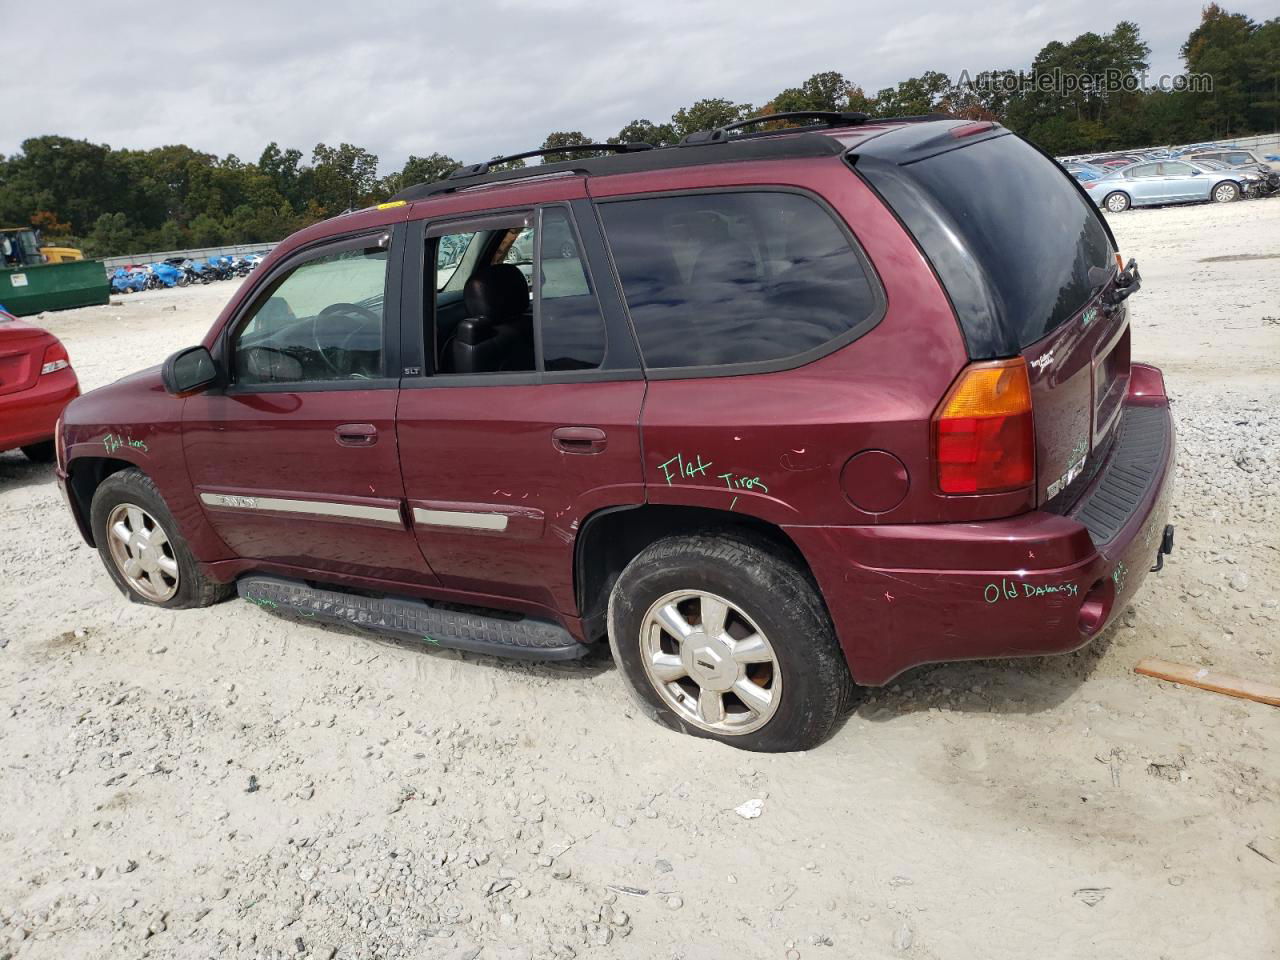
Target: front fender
134,422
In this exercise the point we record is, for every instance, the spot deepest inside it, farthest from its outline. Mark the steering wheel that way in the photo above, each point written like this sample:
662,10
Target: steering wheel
340,310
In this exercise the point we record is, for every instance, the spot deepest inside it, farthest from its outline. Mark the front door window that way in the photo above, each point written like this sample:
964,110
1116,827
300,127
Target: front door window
322,321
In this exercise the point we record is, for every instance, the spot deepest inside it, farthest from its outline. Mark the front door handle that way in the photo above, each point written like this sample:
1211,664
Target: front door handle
579,439
356,434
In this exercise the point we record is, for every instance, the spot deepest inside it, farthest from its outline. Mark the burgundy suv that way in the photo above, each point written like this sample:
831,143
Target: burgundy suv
776,412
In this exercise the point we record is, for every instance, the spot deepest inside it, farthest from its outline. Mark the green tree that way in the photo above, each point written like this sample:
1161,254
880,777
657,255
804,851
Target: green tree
111,236
428,169
1262,60
567,138
171,236
926,93
707,115
645,131
345,176
206,231
1219,47
827,91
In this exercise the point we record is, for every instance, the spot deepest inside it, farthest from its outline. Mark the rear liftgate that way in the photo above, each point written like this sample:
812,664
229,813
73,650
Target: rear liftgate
525,638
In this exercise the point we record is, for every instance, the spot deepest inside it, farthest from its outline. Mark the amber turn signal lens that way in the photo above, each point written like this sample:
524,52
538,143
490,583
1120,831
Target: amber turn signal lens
990,390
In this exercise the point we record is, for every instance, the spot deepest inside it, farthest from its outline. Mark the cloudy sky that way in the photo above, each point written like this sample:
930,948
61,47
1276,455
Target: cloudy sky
476,79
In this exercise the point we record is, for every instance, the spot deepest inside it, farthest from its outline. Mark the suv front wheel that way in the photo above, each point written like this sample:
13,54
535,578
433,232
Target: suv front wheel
141,547
722,636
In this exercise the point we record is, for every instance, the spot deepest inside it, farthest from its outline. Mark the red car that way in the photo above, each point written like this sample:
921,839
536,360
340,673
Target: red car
36,383
777,413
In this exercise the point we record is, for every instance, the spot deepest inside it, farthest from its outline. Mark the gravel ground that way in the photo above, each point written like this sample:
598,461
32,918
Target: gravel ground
224,783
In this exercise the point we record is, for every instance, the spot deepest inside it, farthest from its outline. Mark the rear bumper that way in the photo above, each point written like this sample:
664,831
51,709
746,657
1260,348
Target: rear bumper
1029,585
29,416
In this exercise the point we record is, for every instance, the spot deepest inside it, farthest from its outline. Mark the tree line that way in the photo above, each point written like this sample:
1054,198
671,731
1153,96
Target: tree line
113,202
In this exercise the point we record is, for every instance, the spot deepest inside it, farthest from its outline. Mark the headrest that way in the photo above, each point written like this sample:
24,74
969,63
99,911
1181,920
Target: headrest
498,292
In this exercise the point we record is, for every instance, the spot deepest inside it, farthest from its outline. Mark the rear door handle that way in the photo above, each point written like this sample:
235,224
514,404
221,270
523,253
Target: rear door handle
579,439
356,434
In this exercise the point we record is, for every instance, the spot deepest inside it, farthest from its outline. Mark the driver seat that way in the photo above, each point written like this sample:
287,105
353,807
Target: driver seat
497,334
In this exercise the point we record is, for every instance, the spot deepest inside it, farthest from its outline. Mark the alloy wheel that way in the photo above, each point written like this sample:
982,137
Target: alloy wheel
710,663
1224,193
142,552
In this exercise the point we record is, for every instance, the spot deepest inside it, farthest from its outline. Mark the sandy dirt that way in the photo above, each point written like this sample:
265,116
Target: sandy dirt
225,783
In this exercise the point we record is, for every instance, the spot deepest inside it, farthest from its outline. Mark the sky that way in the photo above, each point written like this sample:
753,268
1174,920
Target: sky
473,80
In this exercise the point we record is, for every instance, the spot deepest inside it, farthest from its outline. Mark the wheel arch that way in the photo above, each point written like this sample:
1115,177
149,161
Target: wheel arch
611,537
84,476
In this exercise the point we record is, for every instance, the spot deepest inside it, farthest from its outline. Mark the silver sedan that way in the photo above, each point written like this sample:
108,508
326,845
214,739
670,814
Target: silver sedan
1152,183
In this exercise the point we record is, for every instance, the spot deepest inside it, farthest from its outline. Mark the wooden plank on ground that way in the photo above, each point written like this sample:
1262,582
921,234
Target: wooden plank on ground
1209,680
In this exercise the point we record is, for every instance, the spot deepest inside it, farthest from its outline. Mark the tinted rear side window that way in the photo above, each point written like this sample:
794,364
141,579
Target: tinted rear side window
737,277
1016,245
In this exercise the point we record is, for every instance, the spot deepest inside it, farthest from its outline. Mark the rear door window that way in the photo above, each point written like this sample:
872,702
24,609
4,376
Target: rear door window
513,318
738,277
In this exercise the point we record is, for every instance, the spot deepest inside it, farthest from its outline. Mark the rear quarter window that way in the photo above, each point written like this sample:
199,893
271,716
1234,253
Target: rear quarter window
741,277
1018,247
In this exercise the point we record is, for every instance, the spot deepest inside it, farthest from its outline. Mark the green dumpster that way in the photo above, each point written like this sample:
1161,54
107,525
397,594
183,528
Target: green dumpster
53,286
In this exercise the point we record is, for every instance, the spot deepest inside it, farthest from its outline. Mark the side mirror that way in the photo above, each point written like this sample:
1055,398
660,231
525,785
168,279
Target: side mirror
189,371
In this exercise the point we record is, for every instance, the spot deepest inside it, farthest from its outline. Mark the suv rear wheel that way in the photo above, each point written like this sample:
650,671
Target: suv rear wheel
721,636
141,548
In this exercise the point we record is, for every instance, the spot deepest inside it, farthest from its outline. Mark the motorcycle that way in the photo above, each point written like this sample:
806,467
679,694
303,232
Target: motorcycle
165,275
128,281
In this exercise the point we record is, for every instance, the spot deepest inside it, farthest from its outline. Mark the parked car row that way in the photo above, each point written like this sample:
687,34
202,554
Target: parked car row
1195,174
181,271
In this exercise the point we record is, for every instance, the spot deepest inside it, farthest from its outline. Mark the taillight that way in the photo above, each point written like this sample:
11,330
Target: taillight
55,358
983,435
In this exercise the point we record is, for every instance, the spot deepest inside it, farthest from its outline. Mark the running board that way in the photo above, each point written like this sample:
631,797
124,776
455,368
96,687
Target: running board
526,638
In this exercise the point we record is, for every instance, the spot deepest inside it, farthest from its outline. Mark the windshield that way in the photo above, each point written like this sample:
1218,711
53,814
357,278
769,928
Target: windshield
19,248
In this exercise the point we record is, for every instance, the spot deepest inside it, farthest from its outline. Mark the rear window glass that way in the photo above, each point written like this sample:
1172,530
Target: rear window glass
1036,247
736,277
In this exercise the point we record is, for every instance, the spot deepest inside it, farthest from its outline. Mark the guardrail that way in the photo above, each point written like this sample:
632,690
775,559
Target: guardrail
1262,144
199,253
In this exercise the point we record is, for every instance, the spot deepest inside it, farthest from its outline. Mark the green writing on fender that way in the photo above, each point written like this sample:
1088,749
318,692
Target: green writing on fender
113,442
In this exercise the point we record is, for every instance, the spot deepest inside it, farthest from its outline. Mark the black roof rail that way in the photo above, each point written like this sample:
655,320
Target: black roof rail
808,141
830,118
825,118
480,169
